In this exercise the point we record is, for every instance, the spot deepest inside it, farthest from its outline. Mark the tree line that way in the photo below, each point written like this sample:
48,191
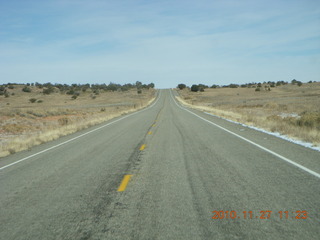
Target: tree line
257,86
75,89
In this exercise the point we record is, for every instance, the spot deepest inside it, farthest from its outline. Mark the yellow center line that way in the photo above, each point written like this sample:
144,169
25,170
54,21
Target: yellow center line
143,146
124,183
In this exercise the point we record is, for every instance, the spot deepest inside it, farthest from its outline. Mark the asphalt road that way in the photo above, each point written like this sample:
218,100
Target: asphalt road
184,166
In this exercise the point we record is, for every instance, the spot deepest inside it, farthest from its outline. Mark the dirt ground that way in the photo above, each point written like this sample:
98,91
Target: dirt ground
24,124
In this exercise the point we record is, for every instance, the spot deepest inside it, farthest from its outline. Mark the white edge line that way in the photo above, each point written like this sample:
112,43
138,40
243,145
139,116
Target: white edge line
253,143
275,134
72,139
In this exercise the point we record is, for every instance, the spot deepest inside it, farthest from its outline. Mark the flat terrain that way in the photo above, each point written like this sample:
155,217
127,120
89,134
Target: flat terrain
185,165
25,122
287,109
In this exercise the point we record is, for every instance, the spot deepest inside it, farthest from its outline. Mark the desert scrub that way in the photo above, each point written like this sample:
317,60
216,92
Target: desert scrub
309,119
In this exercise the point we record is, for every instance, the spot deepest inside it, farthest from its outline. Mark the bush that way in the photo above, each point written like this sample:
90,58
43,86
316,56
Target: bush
232,85
258,89
194,88
48,90
310,119
139,91
74,97
32,100
39,101
70,92
3,90
63,121
181,86
26,89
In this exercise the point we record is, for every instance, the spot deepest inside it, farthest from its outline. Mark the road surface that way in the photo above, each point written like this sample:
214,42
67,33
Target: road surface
162,173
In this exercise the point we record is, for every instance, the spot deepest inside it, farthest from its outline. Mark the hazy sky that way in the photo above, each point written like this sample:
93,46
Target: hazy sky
165,42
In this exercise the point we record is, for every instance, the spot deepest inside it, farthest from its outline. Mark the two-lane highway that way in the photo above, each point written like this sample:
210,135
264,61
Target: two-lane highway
162,173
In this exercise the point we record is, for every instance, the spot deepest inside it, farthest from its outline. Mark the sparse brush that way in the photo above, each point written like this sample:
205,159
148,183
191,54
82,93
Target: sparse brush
36,124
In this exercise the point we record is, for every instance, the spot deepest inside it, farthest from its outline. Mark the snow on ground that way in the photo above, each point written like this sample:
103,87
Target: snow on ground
276,134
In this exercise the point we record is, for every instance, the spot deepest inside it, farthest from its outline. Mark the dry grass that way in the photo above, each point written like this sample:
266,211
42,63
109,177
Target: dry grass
290,110
24,124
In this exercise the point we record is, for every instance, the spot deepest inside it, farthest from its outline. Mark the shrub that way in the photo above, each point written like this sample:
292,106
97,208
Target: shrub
63,121
310,119
70,92
74,97
32,100
39,101
258,89
26,89
181,86
232,85
3,90
194,88
139,91
48,90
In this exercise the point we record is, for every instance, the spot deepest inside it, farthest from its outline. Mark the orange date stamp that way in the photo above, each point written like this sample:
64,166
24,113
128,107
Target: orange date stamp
264,214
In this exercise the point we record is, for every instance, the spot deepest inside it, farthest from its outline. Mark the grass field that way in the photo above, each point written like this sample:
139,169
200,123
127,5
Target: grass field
291,110
31,118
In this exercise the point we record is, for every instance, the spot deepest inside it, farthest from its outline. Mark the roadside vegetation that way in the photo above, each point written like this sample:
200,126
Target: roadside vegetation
34,113
290,109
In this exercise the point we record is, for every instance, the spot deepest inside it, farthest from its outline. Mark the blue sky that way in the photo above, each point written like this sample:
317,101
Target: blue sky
165,42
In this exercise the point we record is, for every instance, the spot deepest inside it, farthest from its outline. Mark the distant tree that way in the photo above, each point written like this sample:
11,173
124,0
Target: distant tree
113,87
151,85
214,86
202,86
181,86
138,84
299,83
194,88
232,85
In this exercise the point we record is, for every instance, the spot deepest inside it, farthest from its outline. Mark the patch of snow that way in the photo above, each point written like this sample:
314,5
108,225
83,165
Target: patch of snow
276,134
284,115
